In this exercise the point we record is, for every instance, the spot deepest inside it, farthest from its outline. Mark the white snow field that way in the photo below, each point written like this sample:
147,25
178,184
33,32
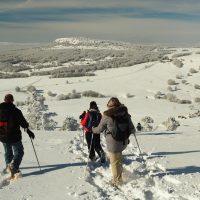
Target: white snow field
172,166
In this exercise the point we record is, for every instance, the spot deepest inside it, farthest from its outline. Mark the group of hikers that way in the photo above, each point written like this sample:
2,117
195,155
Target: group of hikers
115,123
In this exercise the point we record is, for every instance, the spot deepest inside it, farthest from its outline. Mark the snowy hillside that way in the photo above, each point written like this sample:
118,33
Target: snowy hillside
162,93
75,57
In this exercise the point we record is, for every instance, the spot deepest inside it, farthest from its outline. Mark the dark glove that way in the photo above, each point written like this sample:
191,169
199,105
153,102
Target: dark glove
82,115
30,133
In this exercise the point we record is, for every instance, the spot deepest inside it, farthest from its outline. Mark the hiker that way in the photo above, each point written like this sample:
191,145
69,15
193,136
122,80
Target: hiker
92,118
11,119
139,127
115,147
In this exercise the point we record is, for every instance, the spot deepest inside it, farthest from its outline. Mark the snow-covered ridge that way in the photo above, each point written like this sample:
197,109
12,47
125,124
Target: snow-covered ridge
87,42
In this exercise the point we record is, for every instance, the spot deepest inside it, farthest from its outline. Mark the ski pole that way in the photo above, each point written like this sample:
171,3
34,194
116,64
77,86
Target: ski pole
89,153
35,154
138,147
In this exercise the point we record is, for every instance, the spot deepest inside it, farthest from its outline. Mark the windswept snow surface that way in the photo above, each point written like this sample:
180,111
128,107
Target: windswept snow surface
172,166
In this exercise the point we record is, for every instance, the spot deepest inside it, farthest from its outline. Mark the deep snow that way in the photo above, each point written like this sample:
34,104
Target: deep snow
172,169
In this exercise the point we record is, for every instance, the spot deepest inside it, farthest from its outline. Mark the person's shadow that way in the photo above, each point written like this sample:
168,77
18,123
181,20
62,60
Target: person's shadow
184,170
165,153
160,133
181,170
49,168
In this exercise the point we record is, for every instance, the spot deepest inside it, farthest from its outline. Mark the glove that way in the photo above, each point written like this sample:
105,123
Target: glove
30,133
82,115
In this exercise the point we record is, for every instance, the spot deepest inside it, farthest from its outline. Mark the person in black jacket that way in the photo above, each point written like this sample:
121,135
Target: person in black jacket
11,119
92,118
139,127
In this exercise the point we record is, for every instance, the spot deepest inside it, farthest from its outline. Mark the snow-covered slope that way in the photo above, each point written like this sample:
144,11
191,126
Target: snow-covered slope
172,164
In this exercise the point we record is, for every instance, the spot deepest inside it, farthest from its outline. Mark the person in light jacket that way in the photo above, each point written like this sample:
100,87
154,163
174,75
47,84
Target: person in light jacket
114,148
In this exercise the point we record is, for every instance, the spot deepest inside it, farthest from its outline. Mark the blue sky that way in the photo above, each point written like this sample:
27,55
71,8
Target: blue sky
136,21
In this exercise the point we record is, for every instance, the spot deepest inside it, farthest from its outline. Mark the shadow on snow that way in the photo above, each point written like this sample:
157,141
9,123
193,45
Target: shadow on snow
163,153
49,168
160,133
181,170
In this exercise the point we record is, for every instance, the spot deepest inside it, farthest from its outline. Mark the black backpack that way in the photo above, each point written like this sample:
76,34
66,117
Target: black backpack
120,130
4,121
94,119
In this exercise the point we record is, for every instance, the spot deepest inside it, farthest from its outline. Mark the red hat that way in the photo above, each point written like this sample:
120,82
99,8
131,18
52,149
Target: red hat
9,98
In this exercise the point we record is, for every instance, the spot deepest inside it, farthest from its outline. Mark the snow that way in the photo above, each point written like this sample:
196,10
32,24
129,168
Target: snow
172,168
87,43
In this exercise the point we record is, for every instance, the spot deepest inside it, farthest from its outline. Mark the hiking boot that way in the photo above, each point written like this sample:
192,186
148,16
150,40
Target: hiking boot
93,158
13,169
111,183
18,174
15,176
102,159
115,184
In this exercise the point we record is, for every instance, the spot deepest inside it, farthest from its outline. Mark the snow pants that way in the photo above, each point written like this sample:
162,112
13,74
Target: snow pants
93,143
14,153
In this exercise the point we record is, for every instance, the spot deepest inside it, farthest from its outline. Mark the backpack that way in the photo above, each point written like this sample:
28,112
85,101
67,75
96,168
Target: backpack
121,131
4,118
94,119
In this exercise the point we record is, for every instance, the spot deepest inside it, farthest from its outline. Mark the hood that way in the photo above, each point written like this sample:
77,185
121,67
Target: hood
116,111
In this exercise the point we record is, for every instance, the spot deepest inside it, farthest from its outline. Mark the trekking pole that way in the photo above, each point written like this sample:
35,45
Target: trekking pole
36,155
83,136
139,148
89,154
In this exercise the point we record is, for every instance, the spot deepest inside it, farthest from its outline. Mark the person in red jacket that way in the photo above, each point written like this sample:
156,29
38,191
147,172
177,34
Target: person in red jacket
91,119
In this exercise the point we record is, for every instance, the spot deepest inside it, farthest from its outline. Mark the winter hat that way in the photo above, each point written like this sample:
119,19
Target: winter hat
93,105
113,102
9,98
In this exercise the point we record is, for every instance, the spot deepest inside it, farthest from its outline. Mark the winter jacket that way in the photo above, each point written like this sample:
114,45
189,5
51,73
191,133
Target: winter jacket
16,119
88,120
107,125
